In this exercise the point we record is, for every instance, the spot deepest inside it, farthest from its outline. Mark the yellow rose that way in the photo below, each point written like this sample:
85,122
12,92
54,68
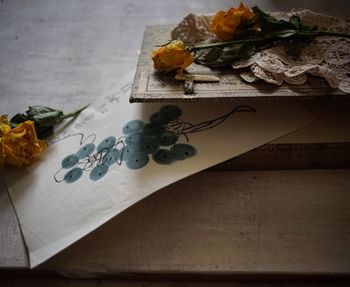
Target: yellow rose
4,125
247,13
2,161
173,56
224,24
19,145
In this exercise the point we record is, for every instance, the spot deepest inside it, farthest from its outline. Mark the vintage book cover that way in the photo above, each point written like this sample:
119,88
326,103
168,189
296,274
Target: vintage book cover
325,144
150,86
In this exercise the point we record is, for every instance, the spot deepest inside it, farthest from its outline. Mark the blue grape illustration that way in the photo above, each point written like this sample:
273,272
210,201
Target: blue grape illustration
112,157
157,118
98,172
168,138
86,150
134,138
137,160
153,129
128,151
163,156
132,127
170,112
140,142
183,151
149,145
70,161
106,144
73,175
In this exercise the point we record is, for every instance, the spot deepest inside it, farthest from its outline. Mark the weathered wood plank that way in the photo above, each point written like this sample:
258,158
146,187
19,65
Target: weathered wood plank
34,282
65,53
12,247
228,223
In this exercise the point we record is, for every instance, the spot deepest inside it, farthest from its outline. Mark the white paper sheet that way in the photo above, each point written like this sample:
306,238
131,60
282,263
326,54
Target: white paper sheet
116,158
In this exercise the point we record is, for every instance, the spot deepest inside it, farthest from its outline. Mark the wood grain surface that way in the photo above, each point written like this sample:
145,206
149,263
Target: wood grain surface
66,53
62,282
228,223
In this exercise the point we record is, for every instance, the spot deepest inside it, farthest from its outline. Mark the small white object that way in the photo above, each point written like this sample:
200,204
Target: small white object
197,78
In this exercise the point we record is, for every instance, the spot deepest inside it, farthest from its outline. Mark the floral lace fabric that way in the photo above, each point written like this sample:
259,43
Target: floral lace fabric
326,57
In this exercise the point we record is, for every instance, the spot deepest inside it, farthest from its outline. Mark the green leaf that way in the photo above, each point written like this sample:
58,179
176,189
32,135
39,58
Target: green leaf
295,48
269,23
218,57
306,28
246,51
35,110
44,116
213,55
262,45
283,33
48,118
45,119
17,119
43,132
248,23
295,20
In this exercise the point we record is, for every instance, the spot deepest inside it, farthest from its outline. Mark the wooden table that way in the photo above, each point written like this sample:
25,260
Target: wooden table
64,54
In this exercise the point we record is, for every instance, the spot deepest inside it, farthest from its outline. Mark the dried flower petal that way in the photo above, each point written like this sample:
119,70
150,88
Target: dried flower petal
18,146
173,56
224,24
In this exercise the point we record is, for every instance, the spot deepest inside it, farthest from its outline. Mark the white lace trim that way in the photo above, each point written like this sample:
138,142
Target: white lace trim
326,57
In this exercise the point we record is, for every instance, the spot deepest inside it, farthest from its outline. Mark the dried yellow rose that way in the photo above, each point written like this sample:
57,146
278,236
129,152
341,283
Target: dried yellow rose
1,153
18,145
247,13
4,125
173,56
224,24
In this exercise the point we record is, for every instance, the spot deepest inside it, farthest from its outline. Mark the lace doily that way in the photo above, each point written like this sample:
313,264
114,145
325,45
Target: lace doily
326,57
